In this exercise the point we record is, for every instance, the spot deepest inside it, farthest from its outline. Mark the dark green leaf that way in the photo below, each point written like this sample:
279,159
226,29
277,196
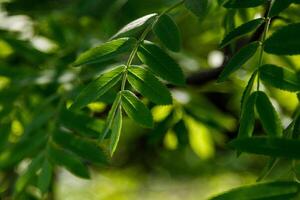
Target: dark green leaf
105,51
4,134
247,117
98,87
279,6
275,147
167,32
268,115
261,191
198,7
29,173
296,128
243,3
88,150
136,110
115,131
161,63
148,85
280,77
45,176
135,26
241,30
240,58
285,41
248,89
70,161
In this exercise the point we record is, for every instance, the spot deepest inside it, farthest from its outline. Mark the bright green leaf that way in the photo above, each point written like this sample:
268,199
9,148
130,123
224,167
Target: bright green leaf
161,63
115,131
167,32
241,30
98,87
135,26
285,41
148,85
136,110
240,58
268,115
106,51
280,77
261,191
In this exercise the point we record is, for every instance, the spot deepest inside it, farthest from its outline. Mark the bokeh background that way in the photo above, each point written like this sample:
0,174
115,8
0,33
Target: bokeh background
185,156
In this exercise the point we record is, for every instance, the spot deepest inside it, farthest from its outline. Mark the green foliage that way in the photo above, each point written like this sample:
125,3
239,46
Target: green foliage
241,30
45,176
116,131
148,85
248,117
161,63
270,190
285,41
278,6
167,32
243,4
240,58
267,115
197,7
280,77
105,51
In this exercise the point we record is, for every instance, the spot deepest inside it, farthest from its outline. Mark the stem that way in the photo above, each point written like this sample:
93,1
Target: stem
262,40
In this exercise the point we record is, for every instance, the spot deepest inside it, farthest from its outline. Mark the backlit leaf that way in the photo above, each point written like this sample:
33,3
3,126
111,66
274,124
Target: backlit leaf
115,131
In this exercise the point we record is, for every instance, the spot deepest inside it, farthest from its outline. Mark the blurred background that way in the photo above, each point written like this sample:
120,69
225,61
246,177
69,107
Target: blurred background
185,156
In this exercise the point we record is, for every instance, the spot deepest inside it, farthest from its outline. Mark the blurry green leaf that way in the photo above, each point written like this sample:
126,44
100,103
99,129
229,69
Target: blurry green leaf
45,176
29,173
167,32
248,89
148,85
161,63
243,3
268,115
181,132
98,87
81,124
261,191
116,131
247,117
105,51
70,161
285,41
279,6
4,134
241,30
88,150
240,58
136,110
275,147
135,26
280,77
197,7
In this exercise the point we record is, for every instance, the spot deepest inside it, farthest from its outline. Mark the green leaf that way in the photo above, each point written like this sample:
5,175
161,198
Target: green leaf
82,124
148,85
115,131
106,51
197,7
24,179
279,6
136,110
280,77
4,135
88,150
272,190
240,58
161,63
243,3
247,117
45,176
248,89
70,161
285,41
267,115
98,87
296,128
275,147
167,32
241,30
135,26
